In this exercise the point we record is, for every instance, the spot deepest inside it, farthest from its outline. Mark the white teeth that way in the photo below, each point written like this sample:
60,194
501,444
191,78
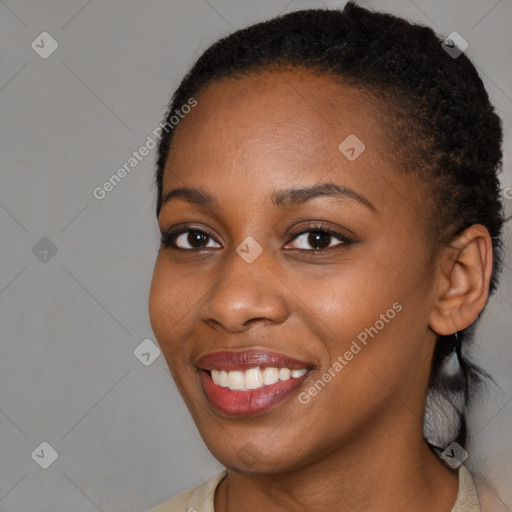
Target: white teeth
254,378
223,378
235,380
285,374
270,376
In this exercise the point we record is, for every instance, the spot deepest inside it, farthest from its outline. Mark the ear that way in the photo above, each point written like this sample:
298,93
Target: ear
464,274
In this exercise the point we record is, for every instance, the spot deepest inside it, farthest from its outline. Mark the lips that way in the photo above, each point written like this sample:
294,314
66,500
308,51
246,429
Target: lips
243,360
229,394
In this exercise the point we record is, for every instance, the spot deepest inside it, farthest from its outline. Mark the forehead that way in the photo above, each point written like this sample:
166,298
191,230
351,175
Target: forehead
281,99
251,136
290,115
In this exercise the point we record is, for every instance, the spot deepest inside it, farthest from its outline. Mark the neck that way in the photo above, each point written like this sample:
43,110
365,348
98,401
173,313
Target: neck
374,472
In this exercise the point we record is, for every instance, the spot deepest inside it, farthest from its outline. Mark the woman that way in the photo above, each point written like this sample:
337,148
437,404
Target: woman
331,227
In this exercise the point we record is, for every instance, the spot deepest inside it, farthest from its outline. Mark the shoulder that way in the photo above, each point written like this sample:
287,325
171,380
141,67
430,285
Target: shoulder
467,499
199,499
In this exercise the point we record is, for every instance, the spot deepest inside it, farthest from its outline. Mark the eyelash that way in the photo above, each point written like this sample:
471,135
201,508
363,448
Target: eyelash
168,238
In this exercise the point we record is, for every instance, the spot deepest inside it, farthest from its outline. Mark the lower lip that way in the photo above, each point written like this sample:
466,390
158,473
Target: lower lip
248,403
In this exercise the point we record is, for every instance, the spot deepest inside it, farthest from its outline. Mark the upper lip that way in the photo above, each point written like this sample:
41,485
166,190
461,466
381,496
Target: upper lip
231,360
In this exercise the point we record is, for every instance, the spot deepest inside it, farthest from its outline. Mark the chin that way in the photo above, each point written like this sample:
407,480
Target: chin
256,458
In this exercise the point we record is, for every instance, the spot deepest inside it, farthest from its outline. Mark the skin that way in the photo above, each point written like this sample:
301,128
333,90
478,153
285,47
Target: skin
358,444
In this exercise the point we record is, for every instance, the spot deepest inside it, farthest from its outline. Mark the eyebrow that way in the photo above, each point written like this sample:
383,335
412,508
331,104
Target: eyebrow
281,199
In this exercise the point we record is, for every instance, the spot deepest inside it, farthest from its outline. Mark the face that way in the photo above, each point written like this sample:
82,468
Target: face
288,252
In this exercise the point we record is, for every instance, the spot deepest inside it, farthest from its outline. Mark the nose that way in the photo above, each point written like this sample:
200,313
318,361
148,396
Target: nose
244,294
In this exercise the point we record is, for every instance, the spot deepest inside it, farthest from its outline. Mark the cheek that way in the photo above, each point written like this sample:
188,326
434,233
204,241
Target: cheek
174,300
342,304
377,319
164,312
378,302
157,300
164,305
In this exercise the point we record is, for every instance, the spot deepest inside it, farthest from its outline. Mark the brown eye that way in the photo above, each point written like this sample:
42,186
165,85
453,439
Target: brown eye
196,238
189,239
317,238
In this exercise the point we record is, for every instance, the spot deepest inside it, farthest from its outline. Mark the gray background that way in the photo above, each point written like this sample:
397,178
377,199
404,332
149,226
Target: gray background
70,321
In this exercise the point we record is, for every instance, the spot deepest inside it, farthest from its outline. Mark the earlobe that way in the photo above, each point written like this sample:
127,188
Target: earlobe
464,274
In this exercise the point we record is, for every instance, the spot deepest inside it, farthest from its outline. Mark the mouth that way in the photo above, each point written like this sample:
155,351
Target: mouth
251,382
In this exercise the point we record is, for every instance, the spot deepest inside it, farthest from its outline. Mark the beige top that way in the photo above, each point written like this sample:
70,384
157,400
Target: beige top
201,498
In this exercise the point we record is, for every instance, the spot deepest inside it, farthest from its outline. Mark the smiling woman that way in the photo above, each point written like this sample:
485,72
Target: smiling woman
338,166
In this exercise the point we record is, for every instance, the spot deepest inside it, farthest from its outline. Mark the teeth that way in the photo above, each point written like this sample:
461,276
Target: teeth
285,374
223,379
254,378
270,376
235,380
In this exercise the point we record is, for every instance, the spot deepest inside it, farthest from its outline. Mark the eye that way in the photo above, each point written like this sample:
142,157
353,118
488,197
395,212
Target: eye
318,237
188,239
315,237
